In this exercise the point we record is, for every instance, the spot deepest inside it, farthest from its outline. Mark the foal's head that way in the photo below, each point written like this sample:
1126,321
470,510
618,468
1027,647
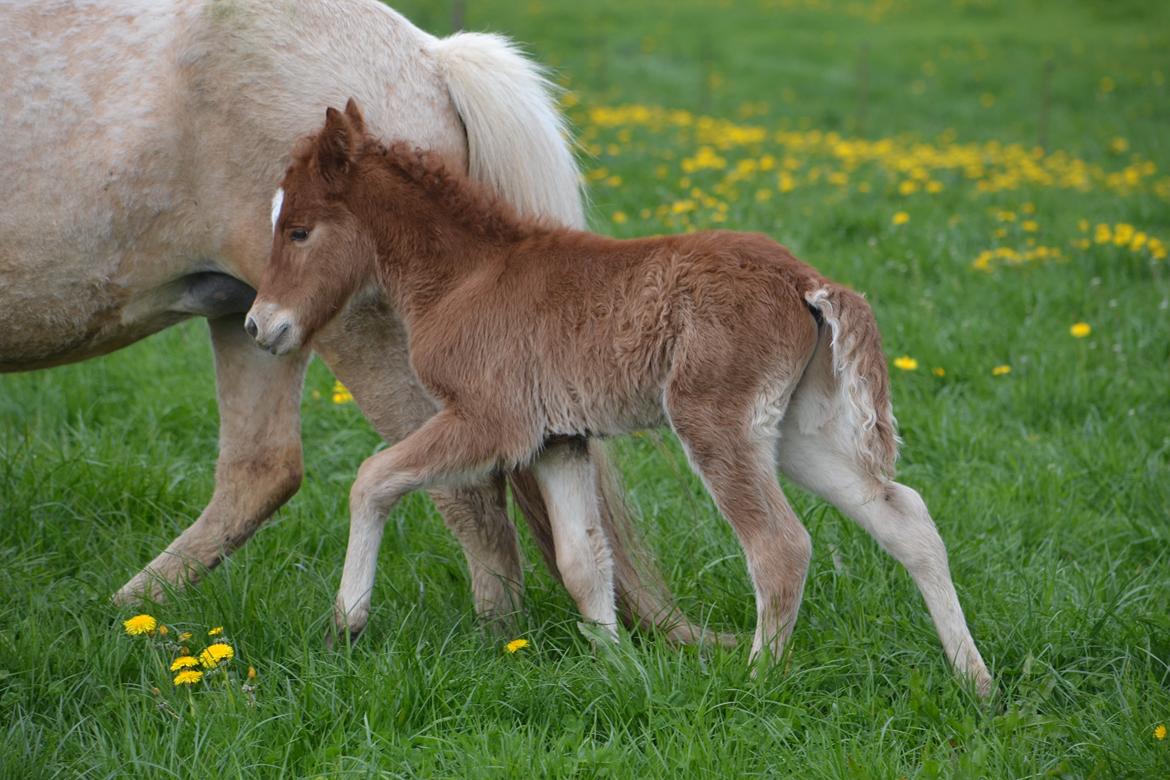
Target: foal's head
321,251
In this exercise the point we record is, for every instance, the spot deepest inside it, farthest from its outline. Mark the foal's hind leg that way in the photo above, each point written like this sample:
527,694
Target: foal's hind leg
445,451
568,484
737,465
896,517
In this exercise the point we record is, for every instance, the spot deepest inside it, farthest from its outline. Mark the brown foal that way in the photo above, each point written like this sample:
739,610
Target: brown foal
532,338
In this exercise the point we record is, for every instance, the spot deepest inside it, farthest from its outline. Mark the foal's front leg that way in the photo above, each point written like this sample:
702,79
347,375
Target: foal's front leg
568,483
444,451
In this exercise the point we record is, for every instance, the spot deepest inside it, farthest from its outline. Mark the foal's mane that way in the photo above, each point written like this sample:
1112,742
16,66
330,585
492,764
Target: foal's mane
458,196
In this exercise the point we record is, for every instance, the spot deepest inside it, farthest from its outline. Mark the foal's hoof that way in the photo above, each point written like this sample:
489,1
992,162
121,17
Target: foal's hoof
341,637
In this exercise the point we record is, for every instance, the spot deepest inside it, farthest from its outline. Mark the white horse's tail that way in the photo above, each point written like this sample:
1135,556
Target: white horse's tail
517,141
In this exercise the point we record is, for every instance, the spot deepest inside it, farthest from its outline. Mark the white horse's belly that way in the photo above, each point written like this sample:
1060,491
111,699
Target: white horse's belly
142,141
91,190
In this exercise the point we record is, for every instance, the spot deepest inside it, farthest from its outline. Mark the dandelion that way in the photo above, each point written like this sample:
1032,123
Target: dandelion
1102,234
183,637
908,187
1030,226
1080,330
1160,732
1001,370
900,218
215,631
1119,145
516,644
188,677
906,363
251,672
216,654
139,625
163,630
184,662
939,371
341,394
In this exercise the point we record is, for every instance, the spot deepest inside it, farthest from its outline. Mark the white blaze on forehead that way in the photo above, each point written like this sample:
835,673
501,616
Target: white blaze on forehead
277,203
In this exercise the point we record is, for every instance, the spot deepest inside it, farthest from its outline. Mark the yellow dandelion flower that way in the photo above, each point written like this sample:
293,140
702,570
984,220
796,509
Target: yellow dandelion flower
906,363
215,631
184,662
908,187
216,654
251,672
620,218
1001,370
1119,145
1083,225
1103,234
163,630
341,394
1030,226
516,644
939,371
614,181
188,677
900,218
1160,732
139,625
183,637
1080,330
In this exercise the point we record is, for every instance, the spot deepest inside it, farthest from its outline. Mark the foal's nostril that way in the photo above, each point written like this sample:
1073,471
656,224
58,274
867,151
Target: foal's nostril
280,332
250,326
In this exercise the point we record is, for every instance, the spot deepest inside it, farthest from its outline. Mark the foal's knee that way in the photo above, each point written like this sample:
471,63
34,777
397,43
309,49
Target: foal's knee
911,535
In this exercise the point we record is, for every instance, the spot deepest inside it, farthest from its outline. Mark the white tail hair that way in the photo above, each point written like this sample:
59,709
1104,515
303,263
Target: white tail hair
517,141
860,370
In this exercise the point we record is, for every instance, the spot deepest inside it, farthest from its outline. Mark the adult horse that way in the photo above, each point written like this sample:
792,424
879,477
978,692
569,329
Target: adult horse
144,138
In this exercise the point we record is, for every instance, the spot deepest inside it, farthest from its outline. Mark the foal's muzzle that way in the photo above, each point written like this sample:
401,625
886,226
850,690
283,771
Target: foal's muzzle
273,328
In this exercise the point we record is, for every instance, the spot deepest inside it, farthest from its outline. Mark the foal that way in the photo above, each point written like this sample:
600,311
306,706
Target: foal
532,338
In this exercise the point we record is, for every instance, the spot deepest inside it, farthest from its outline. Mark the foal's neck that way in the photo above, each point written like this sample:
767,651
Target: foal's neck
435,226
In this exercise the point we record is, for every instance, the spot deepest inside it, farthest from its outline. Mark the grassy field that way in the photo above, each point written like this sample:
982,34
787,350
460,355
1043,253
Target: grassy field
990,173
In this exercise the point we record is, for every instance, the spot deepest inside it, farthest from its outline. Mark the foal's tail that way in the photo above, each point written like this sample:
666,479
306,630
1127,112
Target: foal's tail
859,373
516,137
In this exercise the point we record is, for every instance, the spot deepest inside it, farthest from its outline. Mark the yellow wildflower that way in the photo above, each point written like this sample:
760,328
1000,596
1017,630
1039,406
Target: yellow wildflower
900,218
341,394
139,625
614,181
620,218
163,630
906,363
908,187
1029,226
1001,370
184,662
188,677
1103,234
1083,225
516,644
1119,145
215,631
183,637
216,654
1080,330
939,371
1160,732
251,672
1123,234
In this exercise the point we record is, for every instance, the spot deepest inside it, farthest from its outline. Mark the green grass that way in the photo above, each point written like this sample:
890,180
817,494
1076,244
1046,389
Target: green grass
1050,484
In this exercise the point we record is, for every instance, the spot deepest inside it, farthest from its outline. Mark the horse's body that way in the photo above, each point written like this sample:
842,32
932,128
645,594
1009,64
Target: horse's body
142,140
535,337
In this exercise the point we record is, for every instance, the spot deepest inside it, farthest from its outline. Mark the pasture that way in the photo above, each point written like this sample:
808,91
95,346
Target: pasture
995,176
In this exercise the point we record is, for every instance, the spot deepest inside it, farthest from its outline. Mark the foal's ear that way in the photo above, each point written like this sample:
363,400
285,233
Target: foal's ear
337,145
354,112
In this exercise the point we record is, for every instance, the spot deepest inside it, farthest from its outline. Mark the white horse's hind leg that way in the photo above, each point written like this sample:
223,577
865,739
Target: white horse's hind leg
565,474
897,518
259,465
476,516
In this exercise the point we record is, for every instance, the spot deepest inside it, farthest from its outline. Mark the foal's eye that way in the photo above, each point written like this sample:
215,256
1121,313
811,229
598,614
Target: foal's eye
299,234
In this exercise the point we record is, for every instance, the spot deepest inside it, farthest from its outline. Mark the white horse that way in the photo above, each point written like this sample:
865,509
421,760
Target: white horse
143,139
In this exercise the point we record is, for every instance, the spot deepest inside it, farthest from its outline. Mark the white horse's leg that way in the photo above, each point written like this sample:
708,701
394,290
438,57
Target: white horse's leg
567,479
259,465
